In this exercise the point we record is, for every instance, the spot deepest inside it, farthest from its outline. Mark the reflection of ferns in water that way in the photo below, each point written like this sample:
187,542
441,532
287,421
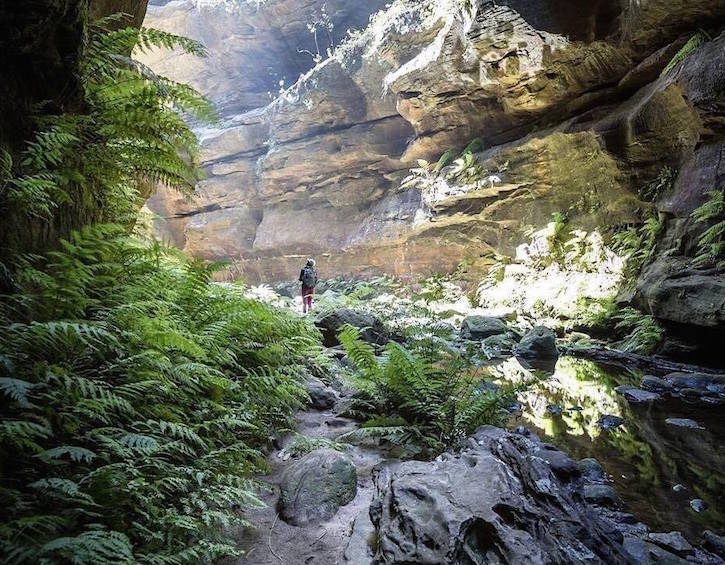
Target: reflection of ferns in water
644,333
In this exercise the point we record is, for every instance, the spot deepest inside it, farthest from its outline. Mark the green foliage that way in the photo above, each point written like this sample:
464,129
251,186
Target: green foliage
711,244
131,132
426,397
644,333
697,40
659,185
639,244
136,395
445,160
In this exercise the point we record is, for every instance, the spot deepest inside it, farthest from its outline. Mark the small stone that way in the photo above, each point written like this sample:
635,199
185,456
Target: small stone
602,495
637,395
672,541
679,488
684,423
698,505
576,408
554,409
609,422
522,431
560,463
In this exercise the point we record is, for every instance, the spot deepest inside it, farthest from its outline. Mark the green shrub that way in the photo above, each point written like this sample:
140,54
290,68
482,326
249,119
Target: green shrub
427,398
136,394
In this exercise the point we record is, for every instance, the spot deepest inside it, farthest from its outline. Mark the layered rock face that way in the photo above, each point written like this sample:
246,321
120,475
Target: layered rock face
565,98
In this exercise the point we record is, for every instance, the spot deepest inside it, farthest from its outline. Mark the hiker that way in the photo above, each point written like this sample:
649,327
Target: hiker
308,278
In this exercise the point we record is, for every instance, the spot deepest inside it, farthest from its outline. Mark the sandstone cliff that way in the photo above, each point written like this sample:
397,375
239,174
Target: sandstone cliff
565,99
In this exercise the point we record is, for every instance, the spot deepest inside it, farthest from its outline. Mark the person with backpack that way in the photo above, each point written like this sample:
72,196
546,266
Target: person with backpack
308,278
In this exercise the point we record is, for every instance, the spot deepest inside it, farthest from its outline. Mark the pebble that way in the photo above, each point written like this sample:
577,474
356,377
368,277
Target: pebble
554,409
679,488
609,422
698,505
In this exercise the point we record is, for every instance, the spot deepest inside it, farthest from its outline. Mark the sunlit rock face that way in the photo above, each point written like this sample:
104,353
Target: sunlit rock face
565,97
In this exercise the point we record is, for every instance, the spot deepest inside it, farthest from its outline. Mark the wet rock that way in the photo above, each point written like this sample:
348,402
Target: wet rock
602,495
672,541
322,397
481,327
554,409
498,346
609,422
637,395
714,543
591,470
701,382
493,503
539,343
684,423
359,549
313,488
561,464
698,505
655,384
372,329
679,488
576,408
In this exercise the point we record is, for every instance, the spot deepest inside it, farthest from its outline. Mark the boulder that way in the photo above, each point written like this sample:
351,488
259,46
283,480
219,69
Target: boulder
701,382
498,501
322,397
481,327
655,384
313,488
539,343
601,495
591,470
372,329
672,541
714,543
499,346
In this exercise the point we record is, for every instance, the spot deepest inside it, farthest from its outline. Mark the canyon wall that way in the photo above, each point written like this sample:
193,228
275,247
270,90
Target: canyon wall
567,101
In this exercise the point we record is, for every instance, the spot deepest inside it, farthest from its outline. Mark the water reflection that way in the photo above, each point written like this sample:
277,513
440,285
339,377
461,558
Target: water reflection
645,456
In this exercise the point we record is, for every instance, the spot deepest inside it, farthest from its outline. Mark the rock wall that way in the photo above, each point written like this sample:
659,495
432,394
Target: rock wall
565,98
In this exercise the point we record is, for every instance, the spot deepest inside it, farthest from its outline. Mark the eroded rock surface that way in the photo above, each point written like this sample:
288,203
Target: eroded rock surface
510,499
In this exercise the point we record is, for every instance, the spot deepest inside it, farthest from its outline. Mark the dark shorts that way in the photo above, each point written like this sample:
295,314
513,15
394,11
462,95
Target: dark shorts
308,290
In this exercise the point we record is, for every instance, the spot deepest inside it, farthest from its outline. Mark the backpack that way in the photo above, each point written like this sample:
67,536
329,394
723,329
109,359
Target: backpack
309,277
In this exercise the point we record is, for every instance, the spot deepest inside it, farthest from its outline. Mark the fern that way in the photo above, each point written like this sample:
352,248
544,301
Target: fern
697,40
423,397
132,132
711,244
137,396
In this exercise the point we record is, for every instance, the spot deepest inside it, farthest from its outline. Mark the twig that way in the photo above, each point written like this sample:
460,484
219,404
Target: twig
269,539
318,539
